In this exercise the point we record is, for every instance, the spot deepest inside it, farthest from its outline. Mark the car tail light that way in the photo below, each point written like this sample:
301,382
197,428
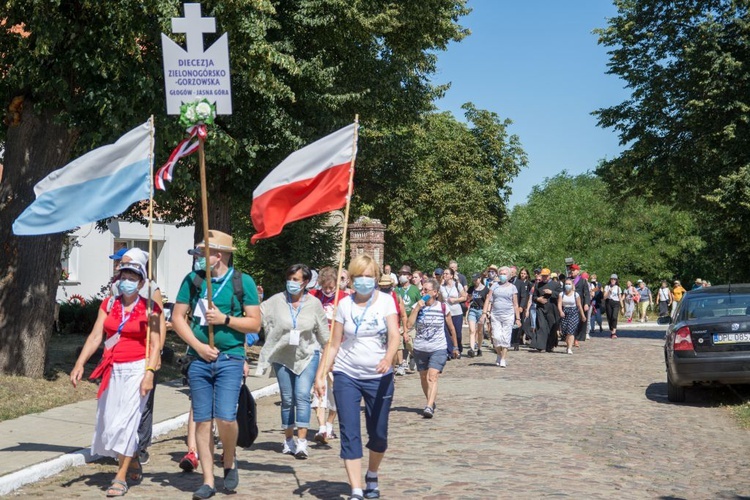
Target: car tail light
682,340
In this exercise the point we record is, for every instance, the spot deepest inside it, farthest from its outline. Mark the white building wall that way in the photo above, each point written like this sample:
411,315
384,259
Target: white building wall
90,267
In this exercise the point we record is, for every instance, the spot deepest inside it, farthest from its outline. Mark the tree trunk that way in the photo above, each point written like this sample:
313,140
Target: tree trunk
219,212
29,265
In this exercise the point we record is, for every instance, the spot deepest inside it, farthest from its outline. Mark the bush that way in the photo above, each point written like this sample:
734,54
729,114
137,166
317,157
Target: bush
78,319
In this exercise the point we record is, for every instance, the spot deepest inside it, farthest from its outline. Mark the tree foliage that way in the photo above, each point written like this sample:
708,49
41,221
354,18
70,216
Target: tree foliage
442,185
576,216
687,124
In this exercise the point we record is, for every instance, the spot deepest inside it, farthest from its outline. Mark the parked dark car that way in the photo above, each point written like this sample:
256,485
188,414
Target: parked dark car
708,339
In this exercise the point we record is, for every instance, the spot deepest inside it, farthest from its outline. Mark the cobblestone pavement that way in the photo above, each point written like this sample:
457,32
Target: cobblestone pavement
595,424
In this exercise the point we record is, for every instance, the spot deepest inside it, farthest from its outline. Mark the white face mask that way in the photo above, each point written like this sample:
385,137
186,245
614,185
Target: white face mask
403,279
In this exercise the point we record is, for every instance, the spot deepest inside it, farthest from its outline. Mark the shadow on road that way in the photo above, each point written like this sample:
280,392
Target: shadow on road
702,396
323,489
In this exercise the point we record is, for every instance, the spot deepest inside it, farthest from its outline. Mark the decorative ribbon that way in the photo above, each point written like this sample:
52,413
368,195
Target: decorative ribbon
104,371
183,149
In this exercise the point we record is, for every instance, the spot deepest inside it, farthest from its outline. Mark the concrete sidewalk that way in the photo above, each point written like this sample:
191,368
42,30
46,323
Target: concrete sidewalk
40,445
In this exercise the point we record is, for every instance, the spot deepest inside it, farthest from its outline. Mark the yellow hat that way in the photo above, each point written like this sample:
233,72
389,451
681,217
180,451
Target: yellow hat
545,272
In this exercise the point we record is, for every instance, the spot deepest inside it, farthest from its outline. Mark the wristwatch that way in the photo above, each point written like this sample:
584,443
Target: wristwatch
226,319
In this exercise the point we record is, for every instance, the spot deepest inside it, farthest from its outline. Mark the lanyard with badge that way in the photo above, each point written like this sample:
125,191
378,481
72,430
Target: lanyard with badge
294,333
114,339
202,305
358,321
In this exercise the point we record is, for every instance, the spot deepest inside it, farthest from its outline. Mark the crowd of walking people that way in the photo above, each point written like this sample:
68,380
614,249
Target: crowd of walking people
333,339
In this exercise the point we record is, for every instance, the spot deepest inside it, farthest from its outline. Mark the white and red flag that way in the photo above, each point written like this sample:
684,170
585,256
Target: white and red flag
310,181
186,147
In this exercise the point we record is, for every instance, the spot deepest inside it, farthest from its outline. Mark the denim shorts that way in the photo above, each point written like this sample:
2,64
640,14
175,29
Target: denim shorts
475,314
435,359
215,387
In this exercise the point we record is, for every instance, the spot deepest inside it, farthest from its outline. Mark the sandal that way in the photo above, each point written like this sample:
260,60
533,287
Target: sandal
117,488
135,470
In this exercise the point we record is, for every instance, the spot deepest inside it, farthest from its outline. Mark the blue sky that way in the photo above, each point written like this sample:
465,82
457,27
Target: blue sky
537,62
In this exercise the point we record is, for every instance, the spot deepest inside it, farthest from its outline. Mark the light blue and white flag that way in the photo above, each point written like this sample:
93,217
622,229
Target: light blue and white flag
99,184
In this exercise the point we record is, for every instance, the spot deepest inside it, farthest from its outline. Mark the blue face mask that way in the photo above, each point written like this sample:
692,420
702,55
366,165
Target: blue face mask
503,278
199,264
293,287
127,287
568,288
364,285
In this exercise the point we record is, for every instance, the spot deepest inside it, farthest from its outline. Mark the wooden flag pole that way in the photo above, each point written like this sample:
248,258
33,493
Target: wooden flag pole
206,251
150,307
342,253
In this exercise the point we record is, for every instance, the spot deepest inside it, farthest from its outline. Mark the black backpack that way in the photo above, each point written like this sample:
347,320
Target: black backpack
247,418
239,292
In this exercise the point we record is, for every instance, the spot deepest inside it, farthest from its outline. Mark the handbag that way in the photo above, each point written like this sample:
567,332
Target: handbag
247,418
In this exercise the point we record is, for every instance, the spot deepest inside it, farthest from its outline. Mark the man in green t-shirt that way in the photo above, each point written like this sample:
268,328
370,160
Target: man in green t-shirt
215,375
410,295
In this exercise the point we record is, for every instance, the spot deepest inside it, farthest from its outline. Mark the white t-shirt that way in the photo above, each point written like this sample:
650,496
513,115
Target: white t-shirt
363,347
430,328
453,291
502,299
569,300
614,292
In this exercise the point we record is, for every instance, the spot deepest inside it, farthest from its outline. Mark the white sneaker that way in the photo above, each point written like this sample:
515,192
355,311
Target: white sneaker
502,363
301,451
497,361
290,448
569,351
588,337
400,371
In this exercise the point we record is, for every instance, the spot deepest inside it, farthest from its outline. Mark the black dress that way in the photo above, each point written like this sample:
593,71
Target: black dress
545,336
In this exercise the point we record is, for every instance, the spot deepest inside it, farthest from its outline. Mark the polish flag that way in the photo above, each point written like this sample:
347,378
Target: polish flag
308,182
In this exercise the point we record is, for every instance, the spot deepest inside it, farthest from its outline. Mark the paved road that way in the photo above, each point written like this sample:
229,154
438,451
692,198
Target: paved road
596,424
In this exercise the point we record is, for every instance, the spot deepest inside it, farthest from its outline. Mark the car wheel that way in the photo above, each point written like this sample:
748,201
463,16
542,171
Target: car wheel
675,393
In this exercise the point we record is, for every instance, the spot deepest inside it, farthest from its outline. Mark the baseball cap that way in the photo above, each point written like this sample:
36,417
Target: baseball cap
585,276
613,277
439,271
133,266
476,276
575,267
537,270
118,254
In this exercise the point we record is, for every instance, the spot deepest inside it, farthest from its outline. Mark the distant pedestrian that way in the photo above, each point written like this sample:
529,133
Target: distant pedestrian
597,304
476,316
430,317
629,301
454,294
677,292
645,300
570,308
613,297
698,284
665,299
502,307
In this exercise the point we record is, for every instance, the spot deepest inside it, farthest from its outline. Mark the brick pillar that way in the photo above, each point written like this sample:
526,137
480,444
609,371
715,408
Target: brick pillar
367,236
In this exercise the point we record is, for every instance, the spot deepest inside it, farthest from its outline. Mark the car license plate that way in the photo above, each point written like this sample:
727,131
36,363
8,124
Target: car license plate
731,338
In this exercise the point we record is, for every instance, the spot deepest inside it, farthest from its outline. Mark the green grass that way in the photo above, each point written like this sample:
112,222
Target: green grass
24,396
742,414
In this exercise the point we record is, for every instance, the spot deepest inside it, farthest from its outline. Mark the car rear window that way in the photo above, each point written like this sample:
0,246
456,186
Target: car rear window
715,306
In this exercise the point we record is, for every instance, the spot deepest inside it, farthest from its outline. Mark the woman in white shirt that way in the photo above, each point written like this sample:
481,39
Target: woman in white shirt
362,347
454,294
613,296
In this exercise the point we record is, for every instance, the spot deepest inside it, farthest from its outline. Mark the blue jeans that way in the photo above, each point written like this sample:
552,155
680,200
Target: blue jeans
295,393
378,396
215,387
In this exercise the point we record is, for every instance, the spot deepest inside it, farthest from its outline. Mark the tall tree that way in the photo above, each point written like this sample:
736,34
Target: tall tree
687,123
